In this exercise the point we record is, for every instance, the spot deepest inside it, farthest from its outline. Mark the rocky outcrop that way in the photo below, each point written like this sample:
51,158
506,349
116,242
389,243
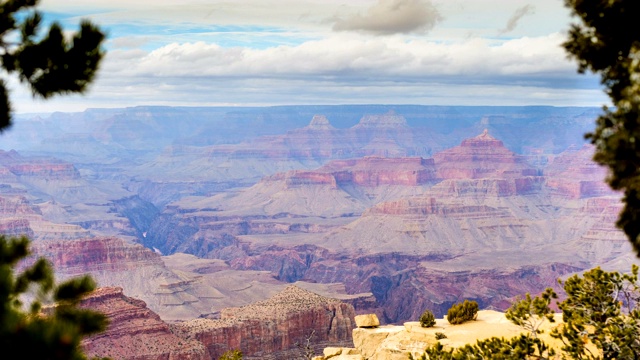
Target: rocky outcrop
41,168
574,175
134,331
397,342
16,227
19,217
388,120
370,171
320,122
16,206
481,157
305,148
270,328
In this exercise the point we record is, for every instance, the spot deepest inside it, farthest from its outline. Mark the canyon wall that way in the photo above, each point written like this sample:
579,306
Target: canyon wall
135,332
274,327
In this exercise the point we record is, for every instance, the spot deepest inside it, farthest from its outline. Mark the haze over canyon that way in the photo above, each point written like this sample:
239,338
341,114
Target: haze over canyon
210,215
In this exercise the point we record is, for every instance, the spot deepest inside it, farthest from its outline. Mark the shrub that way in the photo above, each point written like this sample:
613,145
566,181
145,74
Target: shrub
231,355
427,319
460,313
440,336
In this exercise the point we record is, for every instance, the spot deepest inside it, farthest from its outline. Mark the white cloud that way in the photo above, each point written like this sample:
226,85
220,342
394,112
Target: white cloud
350,56
261,52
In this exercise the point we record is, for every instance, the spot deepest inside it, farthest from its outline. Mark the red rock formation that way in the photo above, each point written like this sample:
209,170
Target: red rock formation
370,171
381,135
573,174
15,213
603,241
431,206
94,254
298,178
15,206
37,167
135,332
481,157
267,328
16,227
320,122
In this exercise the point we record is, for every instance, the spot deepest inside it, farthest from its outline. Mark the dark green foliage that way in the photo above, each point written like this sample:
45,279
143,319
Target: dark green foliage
42,57
607,41
460,313
31,334
440,336
427,319
231,355
601,307
529,313
517,348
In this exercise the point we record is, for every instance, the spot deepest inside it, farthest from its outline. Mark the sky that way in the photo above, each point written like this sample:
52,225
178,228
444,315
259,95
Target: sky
281,52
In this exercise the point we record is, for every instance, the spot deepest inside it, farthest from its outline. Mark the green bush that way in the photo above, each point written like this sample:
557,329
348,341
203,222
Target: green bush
427,319
231,355
440,336
460,313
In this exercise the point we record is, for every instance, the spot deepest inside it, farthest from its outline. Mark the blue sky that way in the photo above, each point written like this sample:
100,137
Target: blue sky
265,52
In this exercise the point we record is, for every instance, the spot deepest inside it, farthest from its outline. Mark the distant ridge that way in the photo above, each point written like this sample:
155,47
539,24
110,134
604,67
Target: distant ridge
387,120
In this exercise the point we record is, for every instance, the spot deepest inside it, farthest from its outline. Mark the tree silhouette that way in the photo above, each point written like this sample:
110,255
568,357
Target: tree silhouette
44,58
606,41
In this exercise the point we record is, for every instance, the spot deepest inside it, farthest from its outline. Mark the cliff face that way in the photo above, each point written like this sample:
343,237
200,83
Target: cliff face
135,332
39,168
574,175
95,254
19,217
369,172
268,328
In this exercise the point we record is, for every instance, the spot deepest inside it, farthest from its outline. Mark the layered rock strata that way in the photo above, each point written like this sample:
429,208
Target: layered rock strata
574,175
271,328
481,157
40,168
135,332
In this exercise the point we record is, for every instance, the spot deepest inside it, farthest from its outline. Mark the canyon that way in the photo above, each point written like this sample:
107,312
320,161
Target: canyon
388,209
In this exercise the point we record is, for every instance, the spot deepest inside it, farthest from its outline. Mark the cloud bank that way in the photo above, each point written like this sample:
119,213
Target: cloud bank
351,57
